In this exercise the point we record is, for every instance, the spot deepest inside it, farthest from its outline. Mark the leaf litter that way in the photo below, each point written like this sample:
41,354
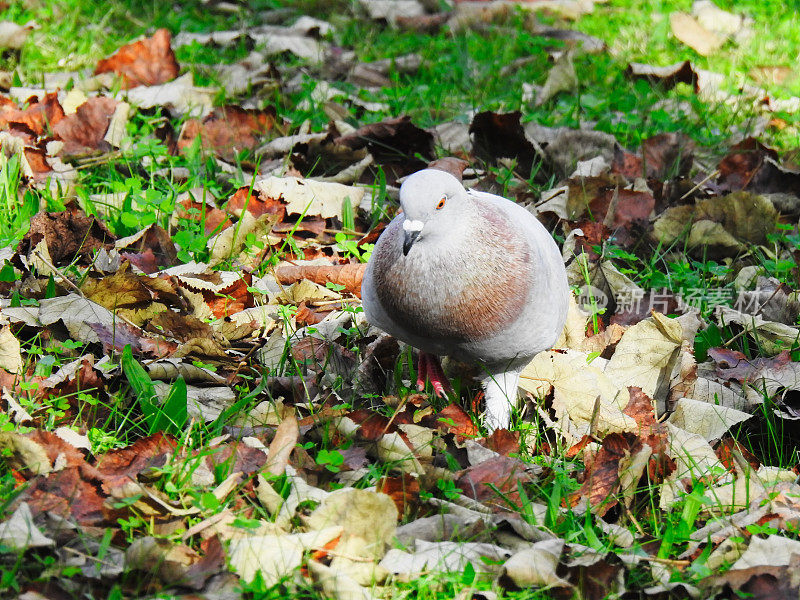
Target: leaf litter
301,456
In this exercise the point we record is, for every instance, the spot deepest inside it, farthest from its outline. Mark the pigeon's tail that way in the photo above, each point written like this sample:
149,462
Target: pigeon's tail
501,396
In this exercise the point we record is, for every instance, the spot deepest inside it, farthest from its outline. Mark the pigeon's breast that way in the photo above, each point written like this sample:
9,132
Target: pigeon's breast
458,290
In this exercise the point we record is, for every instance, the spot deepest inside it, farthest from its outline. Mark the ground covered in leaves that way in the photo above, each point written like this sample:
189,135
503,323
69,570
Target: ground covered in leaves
193,404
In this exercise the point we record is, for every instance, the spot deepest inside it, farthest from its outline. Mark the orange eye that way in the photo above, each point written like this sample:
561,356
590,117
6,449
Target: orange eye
441,203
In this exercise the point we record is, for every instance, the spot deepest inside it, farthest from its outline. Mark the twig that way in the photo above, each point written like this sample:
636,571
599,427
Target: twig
397,410
58,272
714,173
78,290
89,557
667,561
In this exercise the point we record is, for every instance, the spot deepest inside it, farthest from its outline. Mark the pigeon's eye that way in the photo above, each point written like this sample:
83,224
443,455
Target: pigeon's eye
441,203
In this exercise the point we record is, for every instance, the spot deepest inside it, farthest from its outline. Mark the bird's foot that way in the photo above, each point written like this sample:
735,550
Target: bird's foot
429,368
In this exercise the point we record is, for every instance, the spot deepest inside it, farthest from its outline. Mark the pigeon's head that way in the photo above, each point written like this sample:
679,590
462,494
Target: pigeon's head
431,201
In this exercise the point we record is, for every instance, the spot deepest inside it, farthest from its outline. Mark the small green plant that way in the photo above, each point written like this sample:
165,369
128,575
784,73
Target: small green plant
330,459
169,417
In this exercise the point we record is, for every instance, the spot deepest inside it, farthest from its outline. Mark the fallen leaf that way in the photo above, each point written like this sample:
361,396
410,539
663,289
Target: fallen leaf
444,557
666,77
668,155
280,449
336,584
774,550
494,482
394,142
561,78
687,29
706,419
68,235
40,116
146,62
536,566
723,224
348,275
403,490
10,357
275,556
20,533
308,197
122,465
498,135
228,130
85,131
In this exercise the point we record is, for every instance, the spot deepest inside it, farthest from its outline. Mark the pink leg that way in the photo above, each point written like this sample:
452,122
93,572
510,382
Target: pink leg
430,368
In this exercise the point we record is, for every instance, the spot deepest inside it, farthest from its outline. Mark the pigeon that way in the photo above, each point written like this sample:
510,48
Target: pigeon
469,275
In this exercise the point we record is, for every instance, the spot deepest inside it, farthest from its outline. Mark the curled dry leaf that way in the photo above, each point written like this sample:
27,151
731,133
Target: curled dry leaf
773,337
146,62
501,135
280,449
348,275
20,533
603,475
68,234
561,78
394,143
38,118
85,131
228,130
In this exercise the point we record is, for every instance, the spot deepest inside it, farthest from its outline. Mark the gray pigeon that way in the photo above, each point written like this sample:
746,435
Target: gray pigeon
470,275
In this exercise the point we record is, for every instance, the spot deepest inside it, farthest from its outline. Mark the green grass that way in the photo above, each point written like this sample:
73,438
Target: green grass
461,73
641,33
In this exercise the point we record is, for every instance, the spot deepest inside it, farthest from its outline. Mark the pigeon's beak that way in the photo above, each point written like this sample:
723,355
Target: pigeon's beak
411,231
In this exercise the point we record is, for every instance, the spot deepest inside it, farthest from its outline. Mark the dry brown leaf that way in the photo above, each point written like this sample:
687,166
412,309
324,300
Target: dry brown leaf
283,443
71,493
146,62
693,34
126,464
85,131
603,475
68,234
396,143
403,490
229,130
722,224
498,135
40,116
348,275
501,473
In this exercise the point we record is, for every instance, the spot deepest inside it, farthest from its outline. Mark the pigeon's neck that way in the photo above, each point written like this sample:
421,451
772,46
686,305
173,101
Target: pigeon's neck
458,236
